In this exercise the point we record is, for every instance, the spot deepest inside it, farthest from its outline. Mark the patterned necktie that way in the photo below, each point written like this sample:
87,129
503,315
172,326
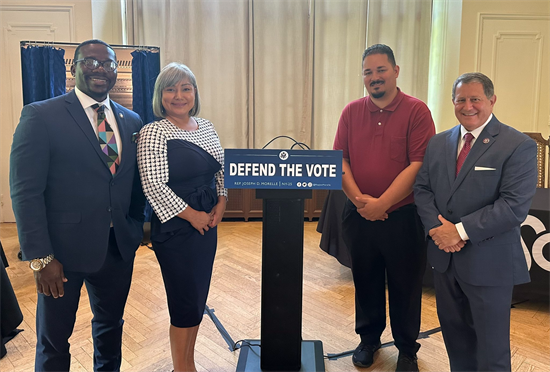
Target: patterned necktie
468,137
107,139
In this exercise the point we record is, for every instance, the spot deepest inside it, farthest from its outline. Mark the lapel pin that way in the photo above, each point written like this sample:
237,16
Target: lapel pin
120,114
486,140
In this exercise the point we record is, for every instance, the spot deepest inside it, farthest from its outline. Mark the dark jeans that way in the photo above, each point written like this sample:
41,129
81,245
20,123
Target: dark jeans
396,249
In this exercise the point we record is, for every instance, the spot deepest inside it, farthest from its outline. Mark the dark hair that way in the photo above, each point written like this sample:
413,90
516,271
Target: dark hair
475,77
380,49
93,41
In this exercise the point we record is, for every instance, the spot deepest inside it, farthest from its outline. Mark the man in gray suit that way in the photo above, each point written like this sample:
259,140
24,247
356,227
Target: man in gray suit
472,193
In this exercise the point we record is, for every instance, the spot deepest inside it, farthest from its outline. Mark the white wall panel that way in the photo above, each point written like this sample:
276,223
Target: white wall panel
513,52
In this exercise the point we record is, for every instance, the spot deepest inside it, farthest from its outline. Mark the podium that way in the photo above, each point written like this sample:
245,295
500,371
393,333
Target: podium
282,347
283,179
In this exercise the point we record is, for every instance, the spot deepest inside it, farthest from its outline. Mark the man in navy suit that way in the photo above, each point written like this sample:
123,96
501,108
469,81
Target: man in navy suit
473,191
79,206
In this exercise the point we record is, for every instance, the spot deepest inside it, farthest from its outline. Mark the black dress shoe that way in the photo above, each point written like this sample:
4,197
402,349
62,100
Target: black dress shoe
407,363
363,356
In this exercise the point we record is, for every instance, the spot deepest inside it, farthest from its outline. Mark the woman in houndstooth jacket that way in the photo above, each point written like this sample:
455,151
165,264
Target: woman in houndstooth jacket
180,161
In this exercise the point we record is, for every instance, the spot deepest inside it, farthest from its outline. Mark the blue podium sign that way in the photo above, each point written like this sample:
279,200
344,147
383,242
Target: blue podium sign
283,169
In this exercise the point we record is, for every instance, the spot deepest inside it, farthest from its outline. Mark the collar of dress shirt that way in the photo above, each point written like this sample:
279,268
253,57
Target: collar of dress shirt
476,132
87,101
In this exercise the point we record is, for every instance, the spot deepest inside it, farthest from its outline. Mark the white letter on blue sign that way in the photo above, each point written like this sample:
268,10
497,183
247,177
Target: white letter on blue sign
232,169
263,169
309,169
290,170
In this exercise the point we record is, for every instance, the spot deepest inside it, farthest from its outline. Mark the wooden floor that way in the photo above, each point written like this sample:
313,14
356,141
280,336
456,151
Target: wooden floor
328,312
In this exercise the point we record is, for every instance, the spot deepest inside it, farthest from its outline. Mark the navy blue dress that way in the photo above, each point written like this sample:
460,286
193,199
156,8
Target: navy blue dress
185,256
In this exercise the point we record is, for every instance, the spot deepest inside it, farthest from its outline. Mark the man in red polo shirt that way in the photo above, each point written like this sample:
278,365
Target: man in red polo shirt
383,137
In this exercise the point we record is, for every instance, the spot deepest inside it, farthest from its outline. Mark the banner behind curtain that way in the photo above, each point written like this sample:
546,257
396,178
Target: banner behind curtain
145,69
43,73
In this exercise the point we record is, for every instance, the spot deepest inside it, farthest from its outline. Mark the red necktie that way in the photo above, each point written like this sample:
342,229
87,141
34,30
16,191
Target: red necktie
468,137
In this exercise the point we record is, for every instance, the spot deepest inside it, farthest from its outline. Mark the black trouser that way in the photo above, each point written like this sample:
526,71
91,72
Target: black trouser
55,317
395,247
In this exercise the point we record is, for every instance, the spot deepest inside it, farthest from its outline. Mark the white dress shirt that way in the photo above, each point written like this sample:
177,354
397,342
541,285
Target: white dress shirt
476,132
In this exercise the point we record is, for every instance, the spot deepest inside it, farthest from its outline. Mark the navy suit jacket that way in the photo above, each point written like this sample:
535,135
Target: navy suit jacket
63,194
491,197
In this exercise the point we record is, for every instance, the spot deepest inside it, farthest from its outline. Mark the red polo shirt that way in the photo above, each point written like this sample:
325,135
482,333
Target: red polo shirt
380,143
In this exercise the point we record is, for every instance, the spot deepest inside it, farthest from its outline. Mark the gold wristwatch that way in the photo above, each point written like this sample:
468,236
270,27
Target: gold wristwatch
38,264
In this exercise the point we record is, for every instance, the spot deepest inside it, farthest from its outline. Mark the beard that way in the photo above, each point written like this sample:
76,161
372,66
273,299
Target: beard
377,94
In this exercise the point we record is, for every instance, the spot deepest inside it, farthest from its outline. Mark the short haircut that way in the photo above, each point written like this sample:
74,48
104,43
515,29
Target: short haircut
170,75
380,49
475,77
93,41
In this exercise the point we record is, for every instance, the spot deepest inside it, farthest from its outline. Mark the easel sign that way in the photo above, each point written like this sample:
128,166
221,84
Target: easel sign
283,169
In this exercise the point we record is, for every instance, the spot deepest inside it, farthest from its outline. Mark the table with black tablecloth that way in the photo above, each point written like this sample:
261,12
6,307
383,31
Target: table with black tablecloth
534,232
330,227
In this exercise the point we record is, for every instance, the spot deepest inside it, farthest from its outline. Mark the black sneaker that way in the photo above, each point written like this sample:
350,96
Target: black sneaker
407,363
363,356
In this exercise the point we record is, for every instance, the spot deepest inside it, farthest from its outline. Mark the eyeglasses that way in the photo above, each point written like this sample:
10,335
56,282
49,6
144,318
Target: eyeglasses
92,64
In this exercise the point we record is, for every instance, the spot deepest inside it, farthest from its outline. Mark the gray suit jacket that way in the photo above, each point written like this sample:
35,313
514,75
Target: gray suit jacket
491,197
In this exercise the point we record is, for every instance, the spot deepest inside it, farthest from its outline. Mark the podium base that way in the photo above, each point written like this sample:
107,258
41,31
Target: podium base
312,357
